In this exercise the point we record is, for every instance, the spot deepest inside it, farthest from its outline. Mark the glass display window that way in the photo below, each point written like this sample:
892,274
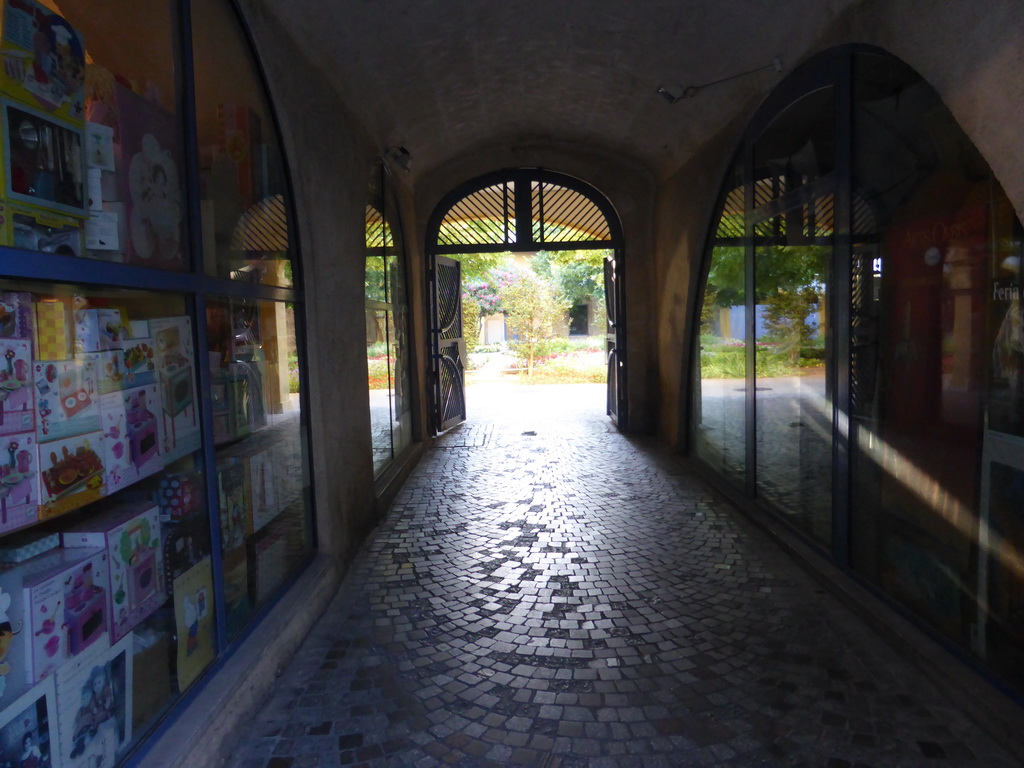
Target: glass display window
265,520
243,187
387,353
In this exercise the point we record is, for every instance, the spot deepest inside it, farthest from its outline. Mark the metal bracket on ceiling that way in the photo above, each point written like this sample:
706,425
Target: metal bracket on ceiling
674,93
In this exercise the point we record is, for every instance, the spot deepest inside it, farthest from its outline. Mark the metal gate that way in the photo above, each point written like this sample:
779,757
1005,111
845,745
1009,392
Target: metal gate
449,347
614,336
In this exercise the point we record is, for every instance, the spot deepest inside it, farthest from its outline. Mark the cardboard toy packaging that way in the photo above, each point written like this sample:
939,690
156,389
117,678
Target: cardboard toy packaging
130,534
52,330
17,314
19,547
66,397
174,358
94,706
17,401
19,481
44,60
35,230
235,502
262,489
71,474
119,469
63,607
145,428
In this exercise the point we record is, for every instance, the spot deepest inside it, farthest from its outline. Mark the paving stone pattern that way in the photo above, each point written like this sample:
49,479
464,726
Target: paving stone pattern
546,592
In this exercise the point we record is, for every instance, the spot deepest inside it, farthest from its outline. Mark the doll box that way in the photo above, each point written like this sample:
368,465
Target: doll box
19,481
130,534
64,602
17,401
94,706
44,60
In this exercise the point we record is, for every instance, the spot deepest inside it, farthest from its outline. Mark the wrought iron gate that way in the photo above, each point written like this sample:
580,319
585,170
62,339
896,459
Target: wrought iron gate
449,347
614,336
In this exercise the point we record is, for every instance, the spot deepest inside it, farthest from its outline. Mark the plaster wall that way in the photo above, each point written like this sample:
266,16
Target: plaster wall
630,188
971,56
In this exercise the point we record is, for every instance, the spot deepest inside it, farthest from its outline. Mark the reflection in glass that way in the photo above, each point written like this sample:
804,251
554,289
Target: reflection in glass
919,362
264,516
244,189
719,416
387,353
793,406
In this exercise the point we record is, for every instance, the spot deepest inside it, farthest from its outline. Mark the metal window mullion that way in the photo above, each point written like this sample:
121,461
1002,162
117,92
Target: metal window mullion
750,326
839,312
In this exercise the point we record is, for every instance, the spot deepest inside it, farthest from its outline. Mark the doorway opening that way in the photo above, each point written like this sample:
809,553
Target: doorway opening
525,276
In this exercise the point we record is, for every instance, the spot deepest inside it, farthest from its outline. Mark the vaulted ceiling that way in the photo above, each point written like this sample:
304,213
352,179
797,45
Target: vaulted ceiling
447,77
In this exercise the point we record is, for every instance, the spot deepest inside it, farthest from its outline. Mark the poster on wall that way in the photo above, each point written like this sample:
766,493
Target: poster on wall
150,182
28,729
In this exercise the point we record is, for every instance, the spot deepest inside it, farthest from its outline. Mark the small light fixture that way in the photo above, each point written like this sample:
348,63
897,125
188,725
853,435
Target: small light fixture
674,93
400,156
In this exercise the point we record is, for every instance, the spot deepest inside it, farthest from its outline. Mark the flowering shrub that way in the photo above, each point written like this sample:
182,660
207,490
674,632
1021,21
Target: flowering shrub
378,371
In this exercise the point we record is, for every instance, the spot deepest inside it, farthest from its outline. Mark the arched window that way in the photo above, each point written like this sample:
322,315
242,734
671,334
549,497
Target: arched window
860,369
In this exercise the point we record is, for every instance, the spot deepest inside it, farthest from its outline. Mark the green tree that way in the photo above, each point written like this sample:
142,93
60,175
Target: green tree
532,308
470,323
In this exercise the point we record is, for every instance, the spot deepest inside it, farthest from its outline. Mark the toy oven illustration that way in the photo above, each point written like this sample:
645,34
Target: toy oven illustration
86,618
143,439
142,577
177,389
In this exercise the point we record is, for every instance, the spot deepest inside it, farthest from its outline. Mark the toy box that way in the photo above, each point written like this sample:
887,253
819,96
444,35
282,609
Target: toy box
42,164
98,330
28,729
174,359
36,230
139,355
64,606
71,474
22,546
194,621
17,403
44,60
235,502
94,706
119,469
130,533
19,481
151,690
150,182
52,330
13,637
262,489
144,428
237,606
111,371
179,495
239,132
17,314
186,543
66,397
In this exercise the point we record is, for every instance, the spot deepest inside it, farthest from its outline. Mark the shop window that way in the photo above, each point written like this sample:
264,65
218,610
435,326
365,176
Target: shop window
154,484
894,226
387,352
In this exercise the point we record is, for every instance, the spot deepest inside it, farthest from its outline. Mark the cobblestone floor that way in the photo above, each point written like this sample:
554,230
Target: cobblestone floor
546,592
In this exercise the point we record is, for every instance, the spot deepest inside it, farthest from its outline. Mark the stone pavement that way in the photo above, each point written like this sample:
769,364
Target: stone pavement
546,592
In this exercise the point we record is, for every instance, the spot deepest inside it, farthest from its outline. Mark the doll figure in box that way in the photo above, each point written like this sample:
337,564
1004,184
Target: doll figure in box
7,634
31,756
